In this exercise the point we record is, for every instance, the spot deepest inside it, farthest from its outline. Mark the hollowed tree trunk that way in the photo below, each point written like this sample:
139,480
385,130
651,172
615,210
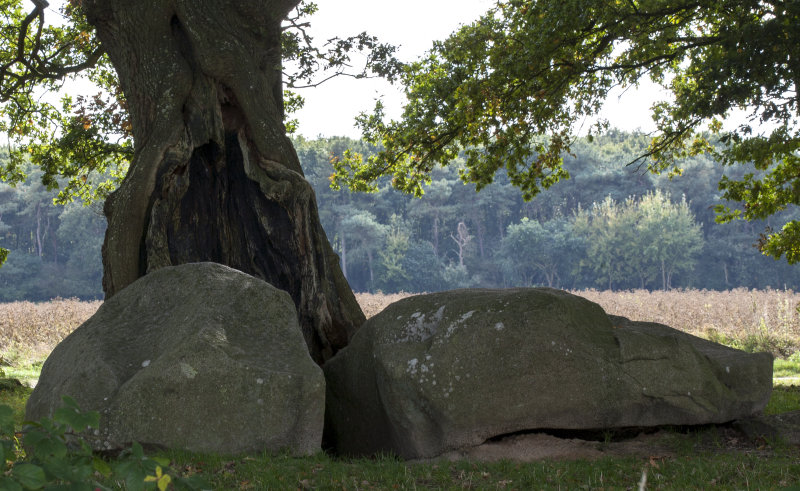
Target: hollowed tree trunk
214,177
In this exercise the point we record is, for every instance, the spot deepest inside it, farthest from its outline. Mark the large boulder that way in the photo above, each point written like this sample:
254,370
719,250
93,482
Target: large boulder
446,371
200,357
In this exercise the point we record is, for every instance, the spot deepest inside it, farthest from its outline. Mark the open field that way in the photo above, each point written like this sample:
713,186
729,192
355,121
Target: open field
735,314
752,320
33,329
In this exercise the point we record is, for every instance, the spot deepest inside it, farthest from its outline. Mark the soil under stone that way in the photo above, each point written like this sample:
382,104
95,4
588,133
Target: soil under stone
753,435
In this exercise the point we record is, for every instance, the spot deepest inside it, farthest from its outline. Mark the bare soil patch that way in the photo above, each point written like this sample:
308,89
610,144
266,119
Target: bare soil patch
758,435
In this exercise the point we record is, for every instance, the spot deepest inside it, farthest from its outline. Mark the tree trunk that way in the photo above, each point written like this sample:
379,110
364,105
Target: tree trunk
436,234
55,245
344,255
371,275
39,248
214,177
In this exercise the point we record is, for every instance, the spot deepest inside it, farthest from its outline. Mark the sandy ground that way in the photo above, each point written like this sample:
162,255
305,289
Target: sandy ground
746,436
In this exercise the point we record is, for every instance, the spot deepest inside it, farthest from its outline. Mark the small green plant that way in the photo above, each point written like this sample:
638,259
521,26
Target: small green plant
761,341
790,367
56,455
764,341
783,400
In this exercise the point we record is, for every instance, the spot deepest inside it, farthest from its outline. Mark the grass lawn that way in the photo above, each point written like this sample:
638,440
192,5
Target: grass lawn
700,458
787,371
691,471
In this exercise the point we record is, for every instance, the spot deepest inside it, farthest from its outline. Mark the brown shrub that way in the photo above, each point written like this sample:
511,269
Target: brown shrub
751,319
754,320
373,303
36,328
733,312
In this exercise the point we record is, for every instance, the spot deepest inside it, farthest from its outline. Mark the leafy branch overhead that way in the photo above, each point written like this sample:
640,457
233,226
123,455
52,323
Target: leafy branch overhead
33,51
313,65
88,137
512,90
36,56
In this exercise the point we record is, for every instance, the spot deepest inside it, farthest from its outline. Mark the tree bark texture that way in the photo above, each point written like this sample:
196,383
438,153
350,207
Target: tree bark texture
214,176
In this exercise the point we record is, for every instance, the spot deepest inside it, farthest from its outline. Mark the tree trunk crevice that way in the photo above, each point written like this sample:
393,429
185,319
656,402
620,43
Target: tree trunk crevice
214,176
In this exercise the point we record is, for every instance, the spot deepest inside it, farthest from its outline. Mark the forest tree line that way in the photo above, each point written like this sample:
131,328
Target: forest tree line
610,226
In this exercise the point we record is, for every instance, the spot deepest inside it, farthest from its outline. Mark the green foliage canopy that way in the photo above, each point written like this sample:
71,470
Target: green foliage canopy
530,246
84,143
649,238
88,139
512,89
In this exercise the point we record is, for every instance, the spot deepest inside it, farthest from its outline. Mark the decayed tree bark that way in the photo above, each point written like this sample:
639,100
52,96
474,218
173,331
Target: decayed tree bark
214,177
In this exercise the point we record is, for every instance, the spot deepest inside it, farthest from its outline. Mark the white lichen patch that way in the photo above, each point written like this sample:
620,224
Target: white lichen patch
421,327
457,323
260,381
216,337
499,326
188,371
421,369
145,363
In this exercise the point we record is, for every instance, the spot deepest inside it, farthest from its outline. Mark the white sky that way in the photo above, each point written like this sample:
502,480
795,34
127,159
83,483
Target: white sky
413,25
330,109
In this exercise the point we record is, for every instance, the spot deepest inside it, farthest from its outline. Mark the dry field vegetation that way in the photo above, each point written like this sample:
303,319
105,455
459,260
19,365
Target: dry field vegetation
753,320
749,319
34,329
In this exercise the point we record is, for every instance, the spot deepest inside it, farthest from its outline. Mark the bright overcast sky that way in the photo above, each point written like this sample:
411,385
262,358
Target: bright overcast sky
413,25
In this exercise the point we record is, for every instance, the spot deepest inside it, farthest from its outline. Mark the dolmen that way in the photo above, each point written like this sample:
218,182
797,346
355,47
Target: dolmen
446,371
200,357
205,358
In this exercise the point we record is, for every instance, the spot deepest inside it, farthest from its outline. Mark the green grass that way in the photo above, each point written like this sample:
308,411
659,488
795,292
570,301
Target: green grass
22,366
16,399
27,374
784,398
693,471
787,371
699,460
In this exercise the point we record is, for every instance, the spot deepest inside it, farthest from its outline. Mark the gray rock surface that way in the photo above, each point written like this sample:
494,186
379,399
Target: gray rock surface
200,357
447,371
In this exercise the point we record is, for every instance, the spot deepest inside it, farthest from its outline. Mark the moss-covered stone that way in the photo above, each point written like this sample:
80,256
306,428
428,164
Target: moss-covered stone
449,370
200,357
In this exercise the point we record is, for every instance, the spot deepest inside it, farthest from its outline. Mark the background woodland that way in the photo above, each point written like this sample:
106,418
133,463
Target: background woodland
610,226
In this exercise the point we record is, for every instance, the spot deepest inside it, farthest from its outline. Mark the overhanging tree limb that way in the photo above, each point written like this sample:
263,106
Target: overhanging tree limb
514,86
